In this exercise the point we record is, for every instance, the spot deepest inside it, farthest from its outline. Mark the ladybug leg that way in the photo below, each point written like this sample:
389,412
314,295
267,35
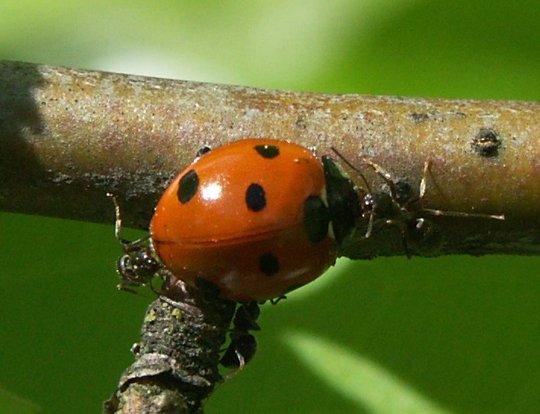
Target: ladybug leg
157,292
275,301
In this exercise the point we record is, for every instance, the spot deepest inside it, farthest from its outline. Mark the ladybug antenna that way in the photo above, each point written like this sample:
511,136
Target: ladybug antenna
350,165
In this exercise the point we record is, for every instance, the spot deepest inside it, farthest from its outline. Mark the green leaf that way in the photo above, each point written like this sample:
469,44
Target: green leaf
365,383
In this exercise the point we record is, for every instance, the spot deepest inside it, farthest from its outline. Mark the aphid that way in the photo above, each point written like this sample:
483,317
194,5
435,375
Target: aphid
242,345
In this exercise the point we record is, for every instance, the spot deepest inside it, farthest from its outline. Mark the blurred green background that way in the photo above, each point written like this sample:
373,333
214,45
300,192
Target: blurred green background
449,335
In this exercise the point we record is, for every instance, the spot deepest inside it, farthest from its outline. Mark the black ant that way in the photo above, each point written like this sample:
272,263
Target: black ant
242,345
138,265
395,206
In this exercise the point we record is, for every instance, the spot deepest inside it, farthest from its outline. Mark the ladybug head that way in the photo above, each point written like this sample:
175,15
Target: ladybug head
343,200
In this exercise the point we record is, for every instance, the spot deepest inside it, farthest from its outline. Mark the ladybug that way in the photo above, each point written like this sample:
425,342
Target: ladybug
254,219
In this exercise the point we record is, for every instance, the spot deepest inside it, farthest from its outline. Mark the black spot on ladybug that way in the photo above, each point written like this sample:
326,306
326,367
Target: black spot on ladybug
269,265
316,218
255,197
267,151
486,143
188,186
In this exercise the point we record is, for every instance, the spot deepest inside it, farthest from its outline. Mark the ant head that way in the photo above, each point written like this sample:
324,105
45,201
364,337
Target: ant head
138,265
378,203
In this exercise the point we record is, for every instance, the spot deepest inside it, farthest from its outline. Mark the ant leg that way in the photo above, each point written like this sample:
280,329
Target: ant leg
405,244
370,224
385,175
352,167
180,305
427,169
403,230
436,212
117,220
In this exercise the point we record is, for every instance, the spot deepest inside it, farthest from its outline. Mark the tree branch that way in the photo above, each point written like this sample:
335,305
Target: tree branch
68,136
177,357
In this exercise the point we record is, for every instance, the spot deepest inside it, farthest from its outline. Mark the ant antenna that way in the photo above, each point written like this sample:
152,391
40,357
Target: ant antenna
350,165
118,225
117,220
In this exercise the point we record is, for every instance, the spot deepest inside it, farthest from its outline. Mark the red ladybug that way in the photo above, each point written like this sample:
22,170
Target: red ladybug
254,219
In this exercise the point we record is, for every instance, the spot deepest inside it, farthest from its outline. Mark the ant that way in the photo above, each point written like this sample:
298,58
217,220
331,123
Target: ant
395,206
242,345
138,265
